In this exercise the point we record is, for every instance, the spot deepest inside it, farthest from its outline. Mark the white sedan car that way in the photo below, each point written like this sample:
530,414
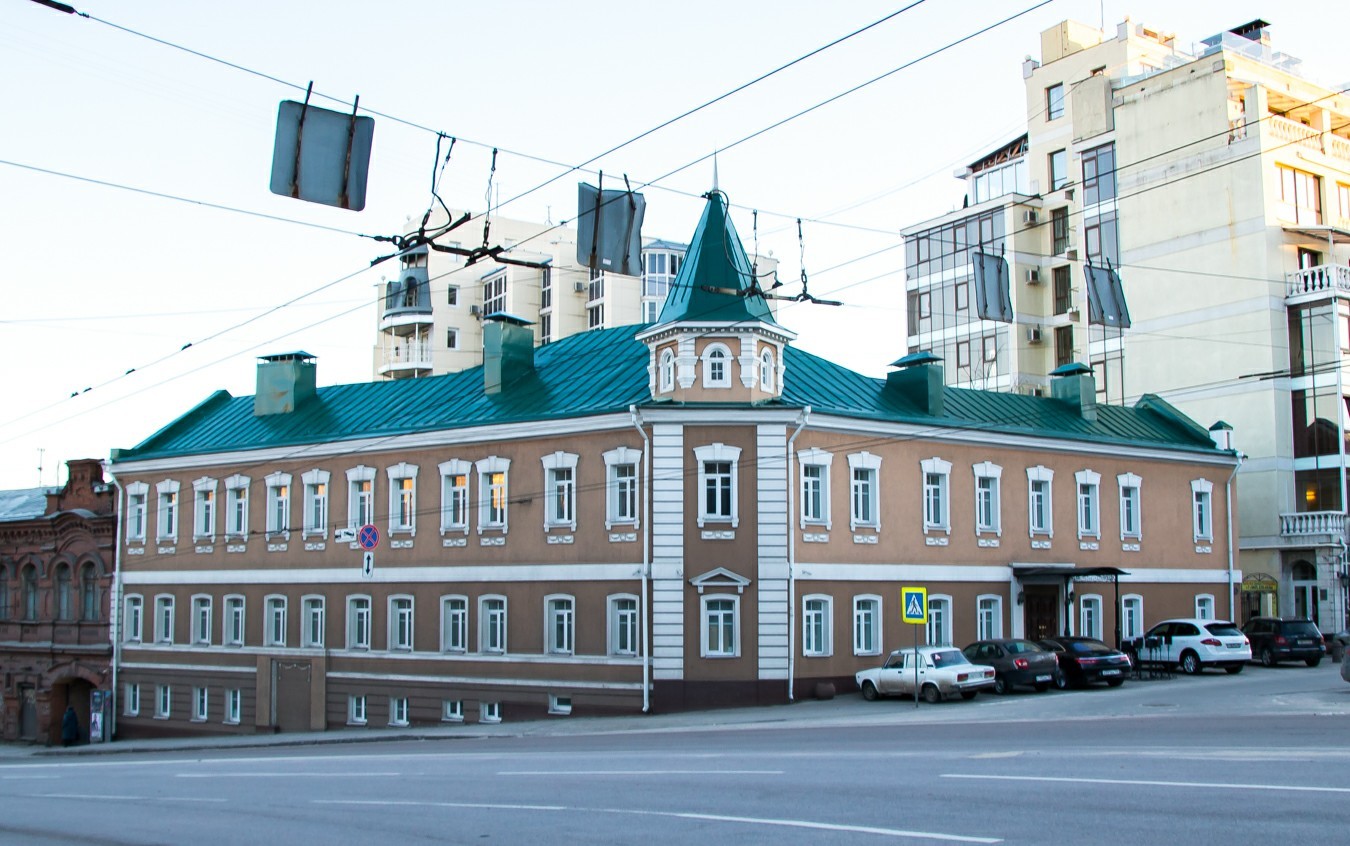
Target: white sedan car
937,672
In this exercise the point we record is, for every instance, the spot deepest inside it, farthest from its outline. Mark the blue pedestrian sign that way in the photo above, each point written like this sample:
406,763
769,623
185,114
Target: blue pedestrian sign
914,605
368,537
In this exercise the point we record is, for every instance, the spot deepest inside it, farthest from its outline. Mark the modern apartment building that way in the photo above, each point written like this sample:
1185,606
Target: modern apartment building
431,313
1216,180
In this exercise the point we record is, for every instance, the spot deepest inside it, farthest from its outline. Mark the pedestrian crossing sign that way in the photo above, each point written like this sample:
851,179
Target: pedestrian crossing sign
914,604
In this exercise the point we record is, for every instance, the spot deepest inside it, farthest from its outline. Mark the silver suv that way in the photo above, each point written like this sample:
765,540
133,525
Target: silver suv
1193,644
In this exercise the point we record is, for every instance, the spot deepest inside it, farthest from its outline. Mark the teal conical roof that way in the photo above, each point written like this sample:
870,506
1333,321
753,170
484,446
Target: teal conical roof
715,260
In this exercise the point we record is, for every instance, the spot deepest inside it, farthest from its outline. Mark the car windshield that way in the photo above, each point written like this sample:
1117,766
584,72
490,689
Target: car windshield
1223,630
1301,628
948,658
1018,646
1088,647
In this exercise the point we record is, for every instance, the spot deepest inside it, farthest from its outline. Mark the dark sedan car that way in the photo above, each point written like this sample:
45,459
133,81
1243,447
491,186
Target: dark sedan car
1086,659
1276,639
1015,662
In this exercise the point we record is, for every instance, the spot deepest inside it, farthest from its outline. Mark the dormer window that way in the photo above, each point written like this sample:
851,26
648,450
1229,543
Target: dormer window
667,370
766,380
717,367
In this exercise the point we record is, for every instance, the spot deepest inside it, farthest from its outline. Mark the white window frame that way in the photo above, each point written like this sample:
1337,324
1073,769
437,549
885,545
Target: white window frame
236,507
867,616
718,453
489,712
398,711
623,624
201,620
163,701
1127,630
131,702
278,520
486,468
821,461
402,500
666,370
402,623
767,370
1090,623
133,618
1125,484
166,510
936,480
274,620
138,495
455,497
732,650
988,622
619,491
1088,484
560,490
233,706
204,509
164,618
817,625
993,473
560,624
232,625
356,709
488,620
455,623
870,465
559,705
357,515
939,628
201,704
313,610
724,356
360,614
1202,510
314,520
452,710
1204,606
1040,473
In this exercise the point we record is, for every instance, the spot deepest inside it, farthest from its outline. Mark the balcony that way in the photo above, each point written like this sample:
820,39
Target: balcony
408,356
1312,524
408,298
1320,282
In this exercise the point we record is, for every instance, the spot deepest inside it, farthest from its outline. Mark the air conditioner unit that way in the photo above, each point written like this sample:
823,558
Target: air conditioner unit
1033,334
476,311
579,287
1068,193
1033,276
1029,217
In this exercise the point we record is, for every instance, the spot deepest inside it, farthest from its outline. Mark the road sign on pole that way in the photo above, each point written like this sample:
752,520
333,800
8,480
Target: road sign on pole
367,564
368,537
914,605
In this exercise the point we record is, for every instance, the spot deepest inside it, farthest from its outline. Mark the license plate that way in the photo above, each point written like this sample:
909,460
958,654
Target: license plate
1042,678
1110,672
1304,642
1234,645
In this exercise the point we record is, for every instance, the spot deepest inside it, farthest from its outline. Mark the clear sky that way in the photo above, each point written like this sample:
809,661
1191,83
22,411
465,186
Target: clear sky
103,288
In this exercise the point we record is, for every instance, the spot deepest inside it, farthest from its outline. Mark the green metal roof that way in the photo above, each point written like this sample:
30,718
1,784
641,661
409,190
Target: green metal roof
605,371
715,259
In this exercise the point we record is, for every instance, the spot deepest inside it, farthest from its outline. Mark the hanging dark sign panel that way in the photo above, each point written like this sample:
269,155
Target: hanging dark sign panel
609,230
993,301
1106,298
321,156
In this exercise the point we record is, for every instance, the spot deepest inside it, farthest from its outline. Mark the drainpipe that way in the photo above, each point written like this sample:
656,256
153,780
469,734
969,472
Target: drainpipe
792,556
646,554
1228,504
115,604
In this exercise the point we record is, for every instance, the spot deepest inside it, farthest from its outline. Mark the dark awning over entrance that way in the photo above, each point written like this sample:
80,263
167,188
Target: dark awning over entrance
1069,573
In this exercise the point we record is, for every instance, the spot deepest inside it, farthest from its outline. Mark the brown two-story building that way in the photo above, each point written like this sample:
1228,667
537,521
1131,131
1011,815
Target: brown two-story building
683,514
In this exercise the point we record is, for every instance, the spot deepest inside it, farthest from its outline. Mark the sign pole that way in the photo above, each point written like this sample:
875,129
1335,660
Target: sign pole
914,609
916,665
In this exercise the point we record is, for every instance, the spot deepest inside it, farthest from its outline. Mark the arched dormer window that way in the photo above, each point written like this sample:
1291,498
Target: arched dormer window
667,371
766,380
717,367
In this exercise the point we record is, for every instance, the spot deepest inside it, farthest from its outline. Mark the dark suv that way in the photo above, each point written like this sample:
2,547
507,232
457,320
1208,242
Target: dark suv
1276,639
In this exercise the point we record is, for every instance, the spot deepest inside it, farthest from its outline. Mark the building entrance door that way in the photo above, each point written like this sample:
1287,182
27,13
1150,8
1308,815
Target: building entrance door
1305,590
27,712
1040,611
290,695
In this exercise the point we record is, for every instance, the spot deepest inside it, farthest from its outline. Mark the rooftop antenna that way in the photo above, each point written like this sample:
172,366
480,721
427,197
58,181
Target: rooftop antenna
40,452
714,170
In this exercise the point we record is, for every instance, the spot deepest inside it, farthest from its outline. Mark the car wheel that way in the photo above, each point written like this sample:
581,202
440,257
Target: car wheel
931,694
1000,685
1042,687
1313,662
968,695
1190,663
869,691
1061,680
1114,682
1267,657
1234,670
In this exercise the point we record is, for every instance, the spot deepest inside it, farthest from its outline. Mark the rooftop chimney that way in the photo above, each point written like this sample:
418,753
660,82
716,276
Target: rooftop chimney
1222,435
508,350
1073,384
285,380
918,380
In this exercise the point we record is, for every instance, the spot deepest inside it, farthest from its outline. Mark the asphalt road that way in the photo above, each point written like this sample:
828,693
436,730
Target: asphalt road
1263,757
